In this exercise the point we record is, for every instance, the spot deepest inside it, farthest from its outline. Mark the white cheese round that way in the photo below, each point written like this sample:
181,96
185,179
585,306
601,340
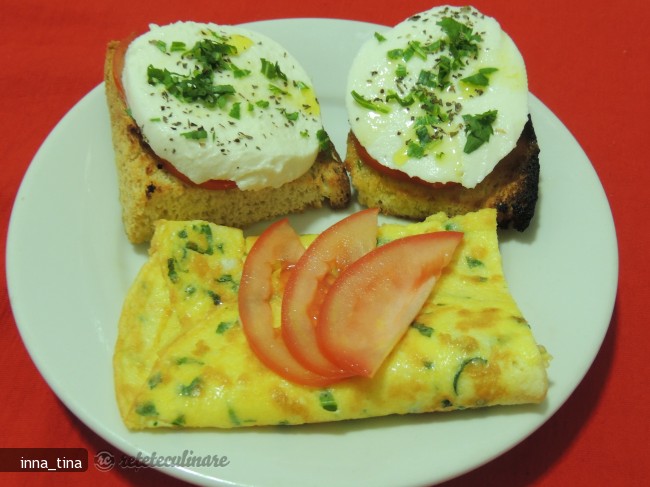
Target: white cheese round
427,138
260,127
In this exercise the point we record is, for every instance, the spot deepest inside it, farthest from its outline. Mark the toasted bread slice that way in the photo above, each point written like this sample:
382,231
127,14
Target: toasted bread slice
511,188
149,193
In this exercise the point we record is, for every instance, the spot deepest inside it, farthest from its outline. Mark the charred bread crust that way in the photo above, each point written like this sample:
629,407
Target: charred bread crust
511,188
147,192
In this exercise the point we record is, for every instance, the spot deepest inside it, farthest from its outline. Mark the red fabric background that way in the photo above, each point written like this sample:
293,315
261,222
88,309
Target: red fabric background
587,61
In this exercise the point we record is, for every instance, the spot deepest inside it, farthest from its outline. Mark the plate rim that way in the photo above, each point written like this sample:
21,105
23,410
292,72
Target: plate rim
111,436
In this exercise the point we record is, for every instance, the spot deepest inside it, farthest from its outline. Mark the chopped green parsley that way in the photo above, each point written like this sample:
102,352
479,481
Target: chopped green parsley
327,401
480,78
272,70
370,105
478,129
193,389
461,369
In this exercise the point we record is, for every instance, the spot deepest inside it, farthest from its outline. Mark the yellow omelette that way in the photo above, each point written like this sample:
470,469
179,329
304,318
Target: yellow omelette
182,359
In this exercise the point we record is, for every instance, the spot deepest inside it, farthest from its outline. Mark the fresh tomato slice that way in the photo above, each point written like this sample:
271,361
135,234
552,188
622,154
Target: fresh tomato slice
277,249
215,184
396,174
118,62
328,255
118,67
373,302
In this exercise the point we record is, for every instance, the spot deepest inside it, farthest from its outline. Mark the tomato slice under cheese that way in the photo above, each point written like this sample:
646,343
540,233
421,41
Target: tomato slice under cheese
276,250
395,174
373,302
328,255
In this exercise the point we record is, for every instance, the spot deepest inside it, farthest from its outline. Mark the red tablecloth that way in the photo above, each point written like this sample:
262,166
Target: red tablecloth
587,61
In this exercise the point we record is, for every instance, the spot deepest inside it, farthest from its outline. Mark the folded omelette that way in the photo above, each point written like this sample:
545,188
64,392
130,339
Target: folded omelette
182,359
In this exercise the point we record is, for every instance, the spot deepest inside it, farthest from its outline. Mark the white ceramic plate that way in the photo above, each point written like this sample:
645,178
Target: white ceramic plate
69,266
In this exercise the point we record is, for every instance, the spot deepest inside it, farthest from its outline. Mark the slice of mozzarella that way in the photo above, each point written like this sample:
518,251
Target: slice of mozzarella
410,61
259,128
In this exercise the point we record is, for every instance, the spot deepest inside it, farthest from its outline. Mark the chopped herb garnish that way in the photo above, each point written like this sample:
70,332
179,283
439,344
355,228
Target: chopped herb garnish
272,70
462,40
146,409
431,104
196,134
195,247
444,67
424,330
478,360
171,270
179,421
422,132
323,140
301,85
452,227
177,46
216,299
415,150
404,101
235,111
383,241
473,262
188,360
237,72
224,326
234,419
193,389
225,278
161,45
395,54
234,285
327,401
480,78
154,380
428,78
203,229
370,105
417,49
379,37
196,88
212,55
291,116
479,129
276,90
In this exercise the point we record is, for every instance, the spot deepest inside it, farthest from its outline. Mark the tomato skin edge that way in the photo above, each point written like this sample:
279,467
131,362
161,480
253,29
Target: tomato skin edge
118,62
